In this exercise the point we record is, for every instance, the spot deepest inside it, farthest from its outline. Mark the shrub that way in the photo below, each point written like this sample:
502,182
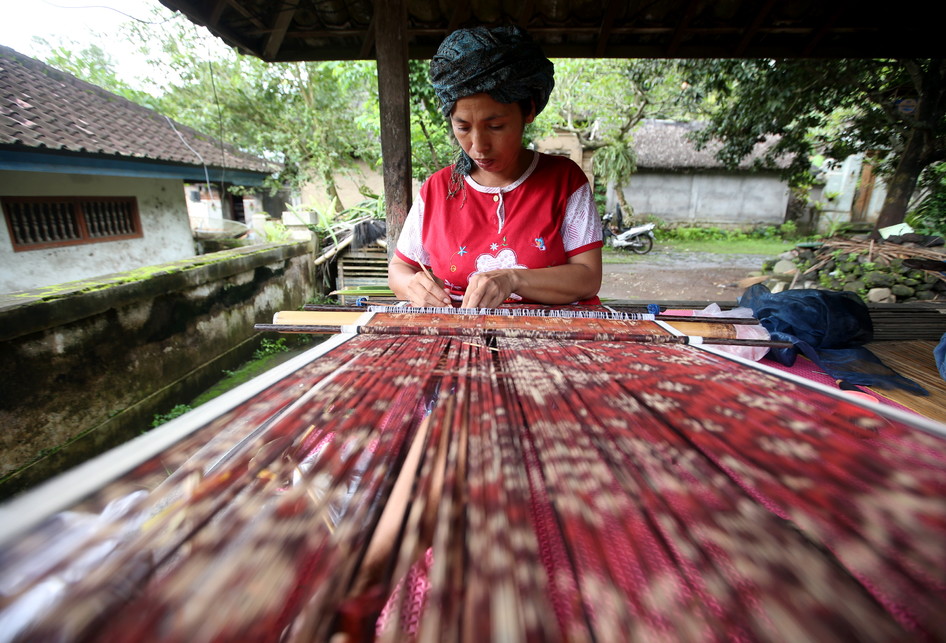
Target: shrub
269,347
929,216
161,418
787,230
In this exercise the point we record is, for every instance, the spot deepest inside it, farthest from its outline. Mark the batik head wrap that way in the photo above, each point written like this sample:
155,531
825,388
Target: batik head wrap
503,62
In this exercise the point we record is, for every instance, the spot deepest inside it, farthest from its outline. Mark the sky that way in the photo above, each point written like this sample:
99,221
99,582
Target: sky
21,20
82,21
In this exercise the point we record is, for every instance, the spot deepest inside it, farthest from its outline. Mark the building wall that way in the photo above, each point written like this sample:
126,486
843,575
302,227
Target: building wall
89,368
842,183
348,182
567,144
165,226
714,198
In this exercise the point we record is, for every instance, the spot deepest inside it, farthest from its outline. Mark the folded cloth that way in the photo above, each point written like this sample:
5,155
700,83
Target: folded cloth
829,328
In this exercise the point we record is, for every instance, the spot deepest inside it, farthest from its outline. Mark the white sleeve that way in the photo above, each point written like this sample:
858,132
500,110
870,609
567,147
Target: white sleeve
411,242
581,226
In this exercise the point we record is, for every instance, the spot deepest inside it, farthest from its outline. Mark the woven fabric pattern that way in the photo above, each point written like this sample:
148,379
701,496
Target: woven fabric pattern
573,491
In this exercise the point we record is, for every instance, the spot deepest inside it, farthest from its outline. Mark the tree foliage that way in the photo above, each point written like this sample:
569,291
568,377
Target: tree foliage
603,100
432,143
94,65
895,109
317,118
614,164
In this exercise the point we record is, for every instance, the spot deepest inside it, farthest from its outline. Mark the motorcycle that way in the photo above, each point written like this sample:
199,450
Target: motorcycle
639,239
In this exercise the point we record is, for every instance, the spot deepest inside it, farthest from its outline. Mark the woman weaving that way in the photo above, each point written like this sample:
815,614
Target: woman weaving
503,223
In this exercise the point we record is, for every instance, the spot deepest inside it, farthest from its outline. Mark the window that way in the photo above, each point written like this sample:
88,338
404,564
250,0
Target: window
47,222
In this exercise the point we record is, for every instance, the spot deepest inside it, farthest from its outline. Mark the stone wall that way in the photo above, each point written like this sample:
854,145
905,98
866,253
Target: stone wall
87,365
882,273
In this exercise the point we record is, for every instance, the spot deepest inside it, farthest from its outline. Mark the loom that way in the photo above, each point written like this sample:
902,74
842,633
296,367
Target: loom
559,489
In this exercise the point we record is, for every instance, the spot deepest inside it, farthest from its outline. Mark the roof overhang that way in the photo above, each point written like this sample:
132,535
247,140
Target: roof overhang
31,160
295,30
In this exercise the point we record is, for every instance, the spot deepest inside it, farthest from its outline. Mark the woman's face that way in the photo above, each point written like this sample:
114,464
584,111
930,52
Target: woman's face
490,132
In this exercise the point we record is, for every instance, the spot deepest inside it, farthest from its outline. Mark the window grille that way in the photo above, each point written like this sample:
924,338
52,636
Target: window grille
46,222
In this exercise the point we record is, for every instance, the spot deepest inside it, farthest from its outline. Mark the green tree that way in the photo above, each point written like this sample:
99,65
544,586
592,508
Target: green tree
895,108
93,65
614,164
317,118
433,145
602,101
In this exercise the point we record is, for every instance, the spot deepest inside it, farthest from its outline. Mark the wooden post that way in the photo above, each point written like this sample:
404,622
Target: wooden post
390,28
865,189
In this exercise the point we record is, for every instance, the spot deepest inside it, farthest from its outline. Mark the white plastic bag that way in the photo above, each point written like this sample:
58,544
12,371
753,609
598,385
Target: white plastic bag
743,331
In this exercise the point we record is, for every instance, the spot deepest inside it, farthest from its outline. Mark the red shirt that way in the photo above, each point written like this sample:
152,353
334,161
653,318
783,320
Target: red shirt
539,221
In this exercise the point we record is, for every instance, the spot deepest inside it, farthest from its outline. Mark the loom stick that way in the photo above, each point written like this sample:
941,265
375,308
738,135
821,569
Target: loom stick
568,312
543,311
524,333
341,317
407,323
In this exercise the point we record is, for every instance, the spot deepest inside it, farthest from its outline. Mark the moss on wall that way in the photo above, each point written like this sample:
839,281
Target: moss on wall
88,370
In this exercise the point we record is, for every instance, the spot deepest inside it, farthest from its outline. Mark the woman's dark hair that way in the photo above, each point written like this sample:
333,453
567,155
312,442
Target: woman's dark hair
526,105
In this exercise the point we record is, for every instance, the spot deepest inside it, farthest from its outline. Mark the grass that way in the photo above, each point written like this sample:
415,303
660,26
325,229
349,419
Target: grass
270,353
771,247
731,246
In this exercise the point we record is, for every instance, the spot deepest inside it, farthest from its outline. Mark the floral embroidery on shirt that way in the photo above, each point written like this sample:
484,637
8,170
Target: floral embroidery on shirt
462,251
506,258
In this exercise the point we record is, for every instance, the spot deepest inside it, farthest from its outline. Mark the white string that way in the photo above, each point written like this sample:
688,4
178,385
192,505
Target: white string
196,153
516,312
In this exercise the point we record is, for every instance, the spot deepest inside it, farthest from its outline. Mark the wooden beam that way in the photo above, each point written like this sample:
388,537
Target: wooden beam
461,13
525,14
681,30
243,11
394,93
751,32
607,24
198,13
367,45
216,11
284,16
824,28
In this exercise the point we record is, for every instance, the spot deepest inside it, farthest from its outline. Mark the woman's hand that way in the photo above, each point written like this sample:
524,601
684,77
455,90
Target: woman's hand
424,291
411,283
490,289
578,279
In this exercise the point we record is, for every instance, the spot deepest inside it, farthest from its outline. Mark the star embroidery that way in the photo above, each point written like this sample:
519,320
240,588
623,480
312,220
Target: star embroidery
462,251
494,246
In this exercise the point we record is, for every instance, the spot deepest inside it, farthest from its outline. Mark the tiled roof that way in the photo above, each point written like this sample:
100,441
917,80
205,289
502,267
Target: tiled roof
664,145
44,108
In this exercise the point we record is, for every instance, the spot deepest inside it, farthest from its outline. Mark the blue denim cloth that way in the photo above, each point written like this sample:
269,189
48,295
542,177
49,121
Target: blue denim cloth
939,353
829,328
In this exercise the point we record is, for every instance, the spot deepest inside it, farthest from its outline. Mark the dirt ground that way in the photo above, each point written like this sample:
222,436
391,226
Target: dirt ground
679,276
